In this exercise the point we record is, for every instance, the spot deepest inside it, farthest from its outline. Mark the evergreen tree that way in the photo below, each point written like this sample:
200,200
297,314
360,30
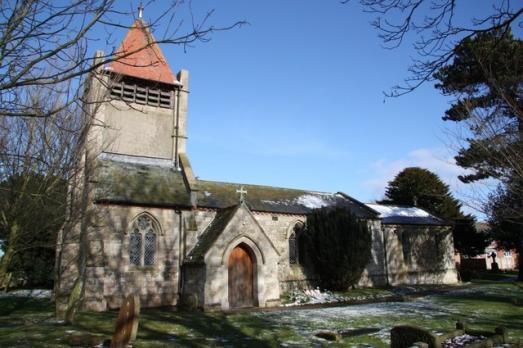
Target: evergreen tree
485,77
338,245
506,221
421,188
36,212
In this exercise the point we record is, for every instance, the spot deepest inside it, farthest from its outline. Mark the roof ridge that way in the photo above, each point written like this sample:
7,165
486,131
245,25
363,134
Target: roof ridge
267,186
211,233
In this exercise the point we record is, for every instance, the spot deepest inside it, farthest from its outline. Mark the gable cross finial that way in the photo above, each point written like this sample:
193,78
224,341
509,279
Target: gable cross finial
242,192
140,10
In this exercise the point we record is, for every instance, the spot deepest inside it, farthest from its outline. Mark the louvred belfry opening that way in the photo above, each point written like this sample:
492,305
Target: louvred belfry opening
140,56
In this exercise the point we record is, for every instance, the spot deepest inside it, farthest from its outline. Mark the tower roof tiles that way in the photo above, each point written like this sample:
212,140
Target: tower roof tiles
140,56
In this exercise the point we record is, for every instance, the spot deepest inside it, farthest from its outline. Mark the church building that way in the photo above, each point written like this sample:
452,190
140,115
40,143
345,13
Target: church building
151,228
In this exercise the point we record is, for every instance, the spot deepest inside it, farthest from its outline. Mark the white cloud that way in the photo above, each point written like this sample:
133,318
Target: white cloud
437,160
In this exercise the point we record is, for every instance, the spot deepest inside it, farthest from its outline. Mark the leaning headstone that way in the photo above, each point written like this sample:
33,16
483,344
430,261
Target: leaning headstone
359,331
127,322
328,335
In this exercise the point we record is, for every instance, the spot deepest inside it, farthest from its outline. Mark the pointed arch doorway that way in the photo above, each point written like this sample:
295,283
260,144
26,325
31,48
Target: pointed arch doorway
241,277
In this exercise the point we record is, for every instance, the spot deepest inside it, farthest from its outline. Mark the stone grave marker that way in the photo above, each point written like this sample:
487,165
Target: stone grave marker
127,322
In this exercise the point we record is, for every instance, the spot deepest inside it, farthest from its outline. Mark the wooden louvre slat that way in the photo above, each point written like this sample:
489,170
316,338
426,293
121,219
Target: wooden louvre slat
142,95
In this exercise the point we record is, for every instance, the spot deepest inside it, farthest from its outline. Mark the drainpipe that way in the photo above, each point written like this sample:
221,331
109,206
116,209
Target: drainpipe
180,251
386,258
177,128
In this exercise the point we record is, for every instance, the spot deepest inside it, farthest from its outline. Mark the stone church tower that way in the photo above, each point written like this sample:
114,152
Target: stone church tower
141,223
147,115
139,112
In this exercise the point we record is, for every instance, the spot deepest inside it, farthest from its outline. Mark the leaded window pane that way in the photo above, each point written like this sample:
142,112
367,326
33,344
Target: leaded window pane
150,248
292,249
135,247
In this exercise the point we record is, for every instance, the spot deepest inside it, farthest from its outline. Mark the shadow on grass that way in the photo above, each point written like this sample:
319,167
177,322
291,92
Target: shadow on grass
160,326
484,298
194,329
18,306
486,311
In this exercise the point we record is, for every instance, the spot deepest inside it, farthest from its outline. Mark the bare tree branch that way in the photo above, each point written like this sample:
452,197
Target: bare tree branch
436,29
45,43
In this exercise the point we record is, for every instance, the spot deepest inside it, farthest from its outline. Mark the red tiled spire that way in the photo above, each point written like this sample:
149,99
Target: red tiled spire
146,63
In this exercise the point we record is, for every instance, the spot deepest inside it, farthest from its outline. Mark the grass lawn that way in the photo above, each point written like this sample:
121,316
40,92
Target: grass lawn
28,322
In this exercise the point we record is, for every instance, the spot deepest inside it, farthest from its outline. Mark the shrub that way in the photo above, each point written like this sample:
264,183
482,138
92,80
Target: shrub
338,246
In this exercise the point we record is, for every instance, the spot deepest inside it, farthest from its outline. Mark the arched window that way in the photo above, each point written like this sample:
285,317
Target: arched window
293,249
142,242
294,245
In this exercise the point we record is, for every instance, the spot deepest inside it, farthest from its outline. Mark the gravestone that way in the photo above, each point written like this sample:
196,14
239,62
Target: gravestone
328,335
127,322
494,265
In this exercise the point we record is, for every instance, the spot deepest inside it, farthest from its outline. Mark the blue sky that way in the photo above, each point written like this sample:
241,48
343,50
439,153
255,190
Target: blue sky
295,99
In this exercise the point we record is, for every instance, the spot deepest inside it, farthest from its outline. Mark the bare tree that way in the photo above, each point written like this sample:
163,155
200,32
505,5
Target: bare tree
44,43
437,28
47,108
37,158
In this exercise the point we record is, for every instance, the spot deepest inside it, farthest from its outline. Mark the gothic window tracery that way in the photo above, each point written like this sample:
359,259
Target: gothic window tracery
142,242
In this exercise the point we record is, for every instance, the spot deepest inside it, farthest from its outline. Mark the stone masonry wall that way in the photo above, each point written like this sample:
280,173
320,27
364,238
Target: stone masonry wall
242,229
279,228
374,273
110,275
420,254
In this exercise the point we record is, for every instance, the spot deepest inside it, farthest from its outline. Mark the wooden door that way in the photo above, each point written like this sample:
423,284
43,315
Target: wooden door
240,278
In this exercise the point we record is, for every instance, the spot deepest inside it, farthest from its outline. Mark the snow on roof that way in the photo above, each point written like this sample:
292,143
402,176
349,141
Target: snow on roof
395,210
313,201
395,214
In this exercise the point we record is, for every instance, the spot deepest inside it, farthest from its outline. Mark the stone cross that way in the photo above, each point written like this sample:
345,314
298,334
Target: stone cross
242,192
140,10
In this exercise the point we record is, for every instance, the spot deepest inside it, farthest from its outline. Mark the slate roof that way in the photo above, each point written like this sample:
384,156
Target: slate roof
215,194
131,183
145,60
405,215
134,183
211,233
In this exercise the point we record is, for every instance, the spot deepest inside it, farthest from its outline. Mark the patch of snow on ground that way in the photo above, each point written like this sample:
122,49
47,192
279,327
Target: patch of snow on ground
35,293
460,341
305,322
313,296
312,202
